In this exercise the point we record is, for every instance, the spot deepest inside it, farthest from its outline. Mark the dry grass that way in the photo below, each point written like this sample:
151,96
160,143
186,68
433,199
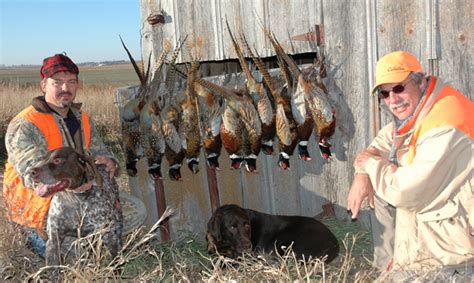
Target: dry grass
98,100
144,258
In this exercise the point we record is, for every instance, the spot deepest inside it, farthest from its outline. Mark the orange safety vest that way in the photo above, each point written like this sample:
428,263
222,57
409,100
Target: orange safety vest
23,205
449,108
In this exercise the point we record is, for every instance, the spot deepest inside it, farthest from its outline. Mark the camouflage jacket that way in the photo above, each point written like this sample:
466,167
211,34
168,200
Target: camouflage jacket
26,145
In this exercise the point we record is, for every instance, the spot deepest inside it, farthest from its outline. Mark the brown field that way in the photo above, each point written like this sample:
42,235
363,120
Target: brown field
144,258
116,75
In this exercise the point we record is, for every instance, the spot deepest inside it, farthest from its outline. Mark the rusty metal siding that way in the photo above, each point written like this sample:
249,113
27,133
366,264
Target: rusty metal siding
357,33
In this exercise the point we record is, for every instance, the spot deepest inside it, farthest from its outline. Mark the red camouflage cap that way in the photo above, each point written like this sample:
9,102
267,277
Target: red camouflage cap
57,63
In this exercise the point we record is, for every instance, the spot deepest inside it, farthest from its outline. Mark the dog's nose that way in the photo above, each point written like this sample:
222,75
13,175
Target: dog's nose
34,172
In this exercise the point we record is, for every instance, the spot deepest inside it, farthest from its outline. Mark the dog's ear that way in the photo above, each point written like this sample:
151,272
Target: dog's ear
92,173
213,235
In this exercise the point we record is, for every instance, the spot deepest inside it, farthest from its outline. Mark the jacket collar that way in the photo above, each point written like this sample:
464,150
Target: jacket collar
40,105
405,127
408,124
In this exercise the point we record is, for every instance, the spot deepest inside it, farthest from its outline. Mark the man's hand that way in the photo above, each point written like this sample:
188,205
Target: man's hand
360,190
110,165
364,155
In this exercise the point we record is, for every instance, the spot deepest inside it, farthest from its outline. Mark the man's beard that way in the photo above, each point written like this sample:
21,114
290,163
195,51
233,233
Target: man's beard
62,104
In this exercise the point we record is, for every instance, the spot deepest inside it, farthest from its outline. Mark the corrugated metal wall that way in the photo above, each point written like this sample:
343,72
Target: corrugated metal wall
357,33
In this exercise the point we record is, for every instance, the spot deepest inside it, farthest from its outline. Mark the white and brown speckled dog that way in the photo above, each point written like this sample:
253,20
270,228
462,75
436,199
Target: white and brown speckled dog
63,173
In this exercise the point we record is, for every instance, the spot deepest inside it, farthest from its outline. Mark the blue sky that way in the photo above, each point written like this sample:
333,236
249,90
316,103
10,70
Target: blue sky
87,30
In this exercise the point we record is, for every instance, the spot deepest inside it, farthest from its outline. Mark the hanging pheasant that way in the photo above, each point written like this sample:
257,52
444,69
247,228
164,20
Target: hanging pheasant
133,138
154,141
325,115
311,89
260,100
190,122
211,108
174,151
172,120
299,108
266,110
286,128
241,127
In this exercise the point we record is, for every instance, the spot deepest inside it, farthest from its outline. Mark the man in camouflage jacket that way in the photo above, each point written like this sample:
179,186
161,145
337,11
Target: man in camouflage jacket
53,120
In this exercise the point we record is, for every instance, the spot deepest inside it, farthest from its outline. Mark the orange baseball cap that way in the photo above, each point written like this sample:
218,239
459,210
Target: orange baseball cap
394,68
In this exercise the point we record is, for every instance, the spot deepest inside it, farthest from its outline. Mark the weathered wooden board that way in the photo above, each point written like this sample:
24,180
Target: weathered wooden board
357,33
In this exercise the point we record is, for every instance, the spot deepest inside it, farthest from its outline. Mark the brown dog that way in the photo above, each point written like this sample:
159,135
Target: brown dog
63,173
233,230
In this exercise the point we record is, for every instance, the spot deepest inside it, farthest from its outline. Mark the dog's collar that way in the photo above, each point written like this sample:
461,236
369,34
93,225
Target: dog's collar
85,185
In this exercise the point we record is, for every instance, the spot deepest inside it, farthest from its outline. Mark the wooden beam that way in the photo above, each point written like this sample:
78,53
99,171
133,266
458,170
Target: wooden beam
161,207
213,188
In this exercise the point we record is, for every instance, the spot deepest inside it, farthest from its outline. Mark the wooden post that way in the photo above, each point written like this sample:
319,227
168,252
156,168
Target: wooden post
210,172
213,189
161,207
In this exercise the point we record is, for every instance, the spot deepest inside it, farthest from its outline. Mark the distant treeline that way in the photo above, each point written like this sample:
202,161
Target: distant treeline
102,63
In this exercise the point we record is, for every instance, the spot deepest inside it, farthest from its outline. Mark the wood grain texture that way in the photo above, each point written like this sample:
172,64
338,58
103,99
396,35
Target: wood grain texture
445,36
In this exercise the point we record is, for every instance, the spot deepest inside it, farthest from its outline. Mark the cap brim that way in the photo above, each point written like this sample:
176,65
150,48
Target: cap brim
390,79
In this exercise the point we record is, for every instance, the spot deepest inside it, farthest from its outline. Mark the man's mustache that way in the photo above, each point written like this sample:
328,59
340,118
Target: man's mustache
65,93
399,104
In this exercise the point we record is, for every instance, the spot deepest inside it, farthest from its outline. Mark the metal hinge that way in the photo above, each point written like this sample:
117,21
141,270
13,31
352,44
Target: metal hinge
317,35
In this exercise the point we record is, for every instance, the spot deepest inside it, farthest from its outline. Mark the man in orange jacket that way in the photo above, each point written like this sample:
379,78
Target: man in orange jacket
418,175
51,121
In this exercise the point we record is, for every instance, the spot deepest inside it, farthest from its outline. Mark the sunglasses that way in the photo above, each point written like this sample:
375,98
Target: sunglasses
384,94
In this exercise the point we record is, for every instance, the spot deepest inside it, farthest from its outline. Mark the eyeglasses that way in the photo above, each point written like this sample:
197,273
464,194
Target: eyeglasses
60,83
384,94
